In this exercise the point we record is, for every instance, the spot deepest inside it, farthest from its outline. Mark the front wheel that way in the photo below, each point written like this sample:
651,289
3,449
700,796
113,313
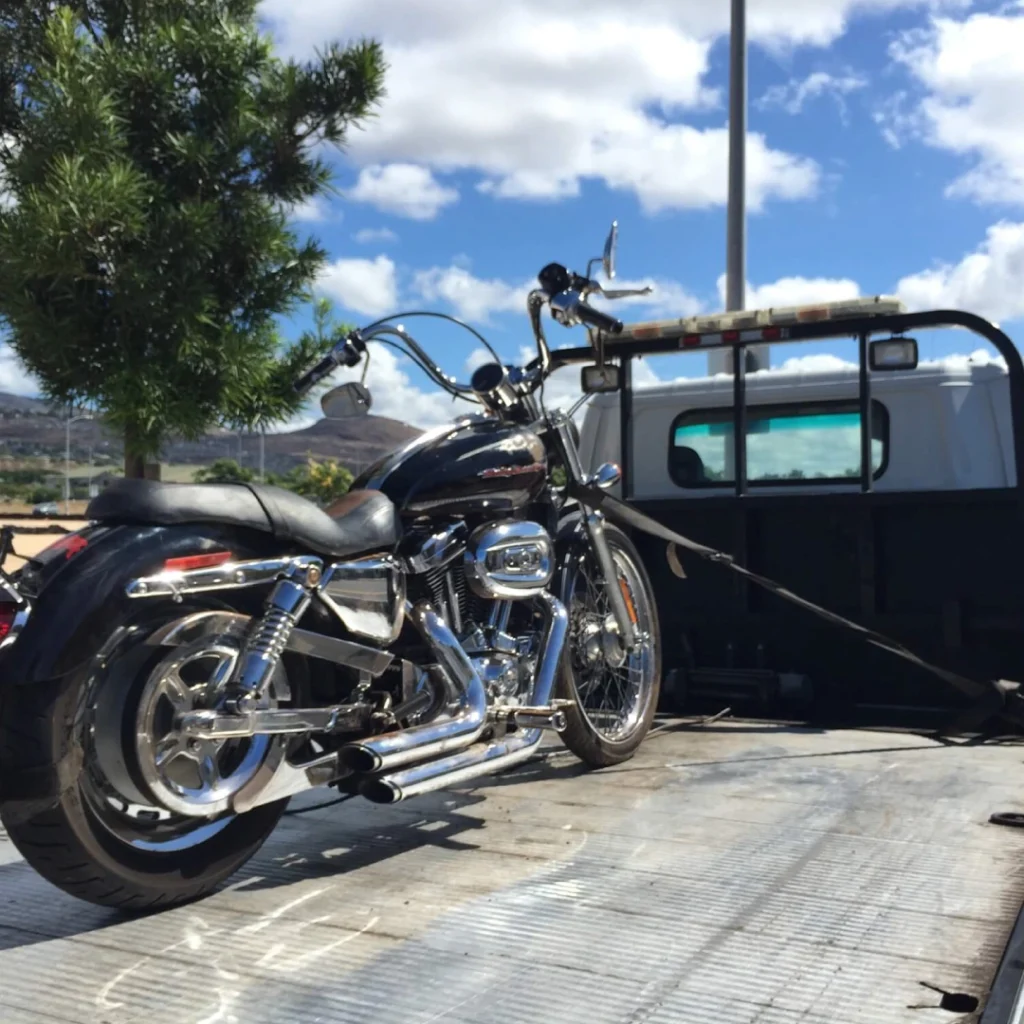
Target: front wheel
615,692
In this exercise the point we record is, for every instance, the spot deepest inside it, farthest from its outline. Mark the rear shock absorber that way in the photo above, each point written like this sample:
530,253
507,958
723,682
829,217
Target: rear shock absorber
269,637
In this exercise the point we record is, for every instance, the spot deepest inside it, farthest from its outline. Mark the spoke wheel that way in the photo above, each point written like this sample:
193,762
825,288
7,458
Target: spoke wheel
615,690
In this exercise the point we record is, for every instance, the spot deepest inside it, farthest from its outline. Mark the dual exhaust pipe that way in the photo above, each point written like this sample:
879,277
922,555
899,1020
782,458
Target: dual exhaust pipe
449,751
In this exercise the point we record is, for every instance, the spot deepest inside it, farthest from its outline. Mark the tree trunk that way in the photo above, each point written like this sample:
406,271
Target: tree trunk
134,454
134,466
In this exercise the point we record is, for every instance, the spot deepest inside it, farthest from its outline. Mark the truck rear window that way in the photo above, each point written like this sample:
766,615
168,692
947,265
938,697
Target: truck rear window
786,444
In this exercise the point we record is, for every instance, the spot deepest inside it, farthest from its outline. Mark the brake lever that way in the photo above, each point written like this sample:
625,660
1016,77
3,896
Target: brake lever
624,293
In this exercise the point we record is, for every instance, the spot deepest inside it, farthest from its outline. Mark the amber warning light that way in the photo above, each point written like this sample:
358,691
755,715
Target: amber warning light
757,325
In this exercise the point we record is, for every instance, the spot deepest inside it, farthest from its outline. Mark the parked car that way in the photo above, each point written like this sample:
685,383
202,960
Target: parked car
46,508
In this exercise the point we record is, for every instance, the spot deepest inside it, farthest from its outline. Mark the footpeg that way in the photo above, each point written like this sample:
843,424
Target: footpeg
549,716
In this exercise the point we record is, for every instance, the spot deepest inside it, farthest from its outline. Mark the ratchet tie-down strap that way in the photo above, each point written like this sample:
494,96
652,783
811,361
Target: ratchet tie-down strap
993,697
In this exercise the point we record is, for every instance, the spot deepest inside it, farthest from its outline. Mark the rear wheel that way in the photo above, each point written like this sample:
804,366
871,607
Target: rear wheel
615,692
143,819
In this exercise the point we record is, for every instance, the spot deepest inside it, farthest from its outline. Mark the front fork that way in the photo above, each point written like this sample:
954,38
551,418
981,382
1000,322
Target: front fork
593,522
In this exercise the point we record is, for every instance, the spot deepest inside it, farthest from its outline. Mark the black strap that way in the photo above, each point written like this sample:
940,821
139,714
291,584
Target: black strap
596,498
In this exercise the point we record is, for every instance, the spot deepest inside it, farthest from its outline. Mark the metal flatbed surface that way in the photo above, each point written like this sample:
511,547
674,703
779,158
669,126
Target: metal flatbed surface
734,873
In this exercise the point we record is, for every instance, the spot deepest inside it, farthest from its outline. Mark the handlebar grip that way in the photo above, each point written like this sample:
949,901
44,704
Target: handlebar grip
595,318
316,374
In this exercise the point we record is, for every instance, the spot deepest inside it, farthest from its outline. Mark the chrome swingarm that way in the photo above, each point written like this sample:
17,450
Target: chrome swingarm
213,725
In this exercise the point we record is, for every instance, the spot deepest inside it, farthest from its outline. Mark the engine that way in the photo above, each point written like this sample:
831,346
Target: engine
476,580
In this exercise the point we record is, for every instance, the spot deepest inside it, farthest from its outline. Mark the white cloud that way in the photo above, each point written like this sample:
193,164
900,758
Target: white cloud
408,190
369,235
795,291
368,287
471,297
988,281
399,396
313,211
792,96
536,98
973,71
14,379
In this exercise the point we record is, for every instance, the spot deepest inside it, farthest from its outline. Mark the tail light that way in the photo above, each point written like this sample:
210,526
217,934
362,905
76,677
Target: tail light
7,613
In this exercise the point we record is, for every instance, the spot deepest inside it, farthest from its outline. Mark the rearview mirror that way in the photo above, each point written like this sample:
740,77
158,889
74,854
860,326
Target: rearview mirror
610,245
893,354
596,380
346,401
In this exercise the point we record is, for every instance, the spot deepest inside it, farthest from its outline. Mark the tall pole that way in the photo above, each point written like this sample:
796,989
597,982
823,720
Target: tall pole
736,218
736,227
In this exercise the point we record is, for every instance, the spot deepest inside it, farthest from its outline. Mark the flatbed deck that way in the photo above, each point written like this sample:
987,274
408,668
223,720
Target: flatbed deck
732,873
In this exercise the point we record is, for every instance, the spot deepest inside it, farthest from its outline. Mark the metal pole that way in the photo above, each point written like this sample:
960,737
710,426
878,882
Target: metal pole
736,228
736,216
263,452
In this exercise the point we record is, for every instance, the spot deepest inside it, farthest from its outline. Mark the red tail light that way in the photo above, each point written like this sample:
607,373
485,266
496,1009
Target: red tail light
188,563
7,613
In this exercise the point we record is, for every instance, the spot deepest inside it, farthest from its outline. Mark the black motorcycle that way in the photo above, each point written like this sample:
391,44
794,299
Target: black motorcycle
173,673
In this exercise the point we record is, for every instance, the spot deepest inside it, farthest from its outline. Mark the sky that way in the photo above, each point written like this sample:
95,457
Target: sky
885,155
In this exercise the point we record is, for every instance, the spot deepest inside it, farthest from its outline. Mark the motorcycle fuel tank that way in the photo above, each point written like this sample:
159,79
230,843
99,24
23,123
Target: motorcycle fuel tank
475,465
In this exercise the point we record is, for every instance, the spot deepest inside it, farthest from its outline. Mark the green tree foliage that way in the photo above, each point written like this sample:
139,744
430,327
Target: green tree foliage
224,471
149,153
322,482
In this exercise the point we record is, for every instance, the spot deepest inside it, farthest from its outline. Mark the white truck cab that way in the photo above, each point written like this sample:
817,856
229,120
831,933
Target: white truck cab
943,426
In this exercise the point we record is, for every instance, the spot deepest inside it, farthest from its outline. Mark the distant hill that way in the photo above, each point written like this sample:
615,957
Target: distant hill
29,428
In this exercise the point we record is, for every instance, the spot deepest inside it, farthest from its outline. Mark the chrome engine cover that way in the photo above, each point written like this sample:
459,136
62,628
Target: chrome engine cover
509,560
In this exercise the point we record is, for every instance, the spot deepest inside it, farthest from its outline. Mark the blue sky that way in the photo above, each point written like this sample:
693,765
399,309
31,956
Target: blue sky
886,155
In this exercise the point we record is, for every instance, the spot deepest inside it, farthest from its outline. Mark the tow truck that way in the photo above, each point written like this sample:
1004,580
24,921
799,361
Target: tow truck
840,847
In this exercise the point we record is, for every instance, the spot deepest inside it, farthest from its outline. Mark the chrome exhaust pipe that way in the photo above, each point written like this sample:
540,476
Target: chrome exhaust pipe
483,758
441,736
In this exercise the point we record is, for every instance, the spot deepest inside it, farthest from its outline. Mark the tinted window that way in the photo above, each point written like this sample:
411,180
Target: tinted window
817,442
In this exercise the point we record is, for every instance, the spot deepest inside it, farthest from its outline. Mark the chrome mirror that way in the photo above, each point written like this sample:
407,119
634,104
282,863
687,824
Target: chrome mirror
346,401
610,245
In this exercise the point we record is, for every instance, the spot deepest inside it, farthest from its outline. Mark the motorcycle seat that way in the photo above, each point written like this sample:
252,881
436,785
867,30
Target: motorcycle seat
359,523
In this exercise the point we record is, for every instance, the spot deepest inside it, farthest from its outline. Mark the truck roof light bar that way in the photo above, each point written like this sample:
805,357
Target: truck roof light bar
757,325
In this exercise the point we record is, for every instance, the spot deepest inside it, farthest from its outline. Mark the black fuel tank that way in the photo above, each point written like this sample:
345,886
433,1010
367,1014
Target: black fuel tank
463,468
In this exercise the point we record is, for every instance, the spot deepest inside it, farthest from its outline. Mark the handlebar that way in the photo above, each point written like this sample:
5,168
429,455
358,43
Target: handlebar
347,352
586,314
563,290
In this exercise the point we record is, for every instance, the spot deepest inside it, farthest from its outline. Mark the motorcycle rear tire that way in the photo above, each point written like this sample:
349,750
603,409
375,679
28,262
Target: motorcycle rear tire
61,836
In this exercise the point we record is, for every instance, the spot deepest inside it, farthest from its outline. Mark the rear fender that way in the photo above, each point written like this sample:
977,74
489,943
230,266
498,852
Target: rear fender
75,605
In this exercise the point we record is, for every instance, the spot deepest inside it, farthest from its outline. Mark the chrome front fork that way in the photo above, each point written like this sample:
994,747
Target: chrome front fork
593,522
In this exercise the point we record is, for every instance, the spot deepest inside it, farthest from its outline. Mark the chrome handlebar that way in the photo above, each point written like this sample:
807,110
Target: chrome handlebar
564,291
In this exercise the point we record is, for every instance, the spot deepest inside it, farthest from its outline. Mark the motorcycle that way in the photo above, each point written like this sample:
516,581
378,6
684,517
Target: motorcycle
199,654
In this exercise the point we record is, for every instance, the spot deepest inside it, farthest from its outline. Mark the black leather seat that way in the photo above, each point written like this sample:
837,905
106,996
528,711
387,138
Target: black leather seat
360,522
